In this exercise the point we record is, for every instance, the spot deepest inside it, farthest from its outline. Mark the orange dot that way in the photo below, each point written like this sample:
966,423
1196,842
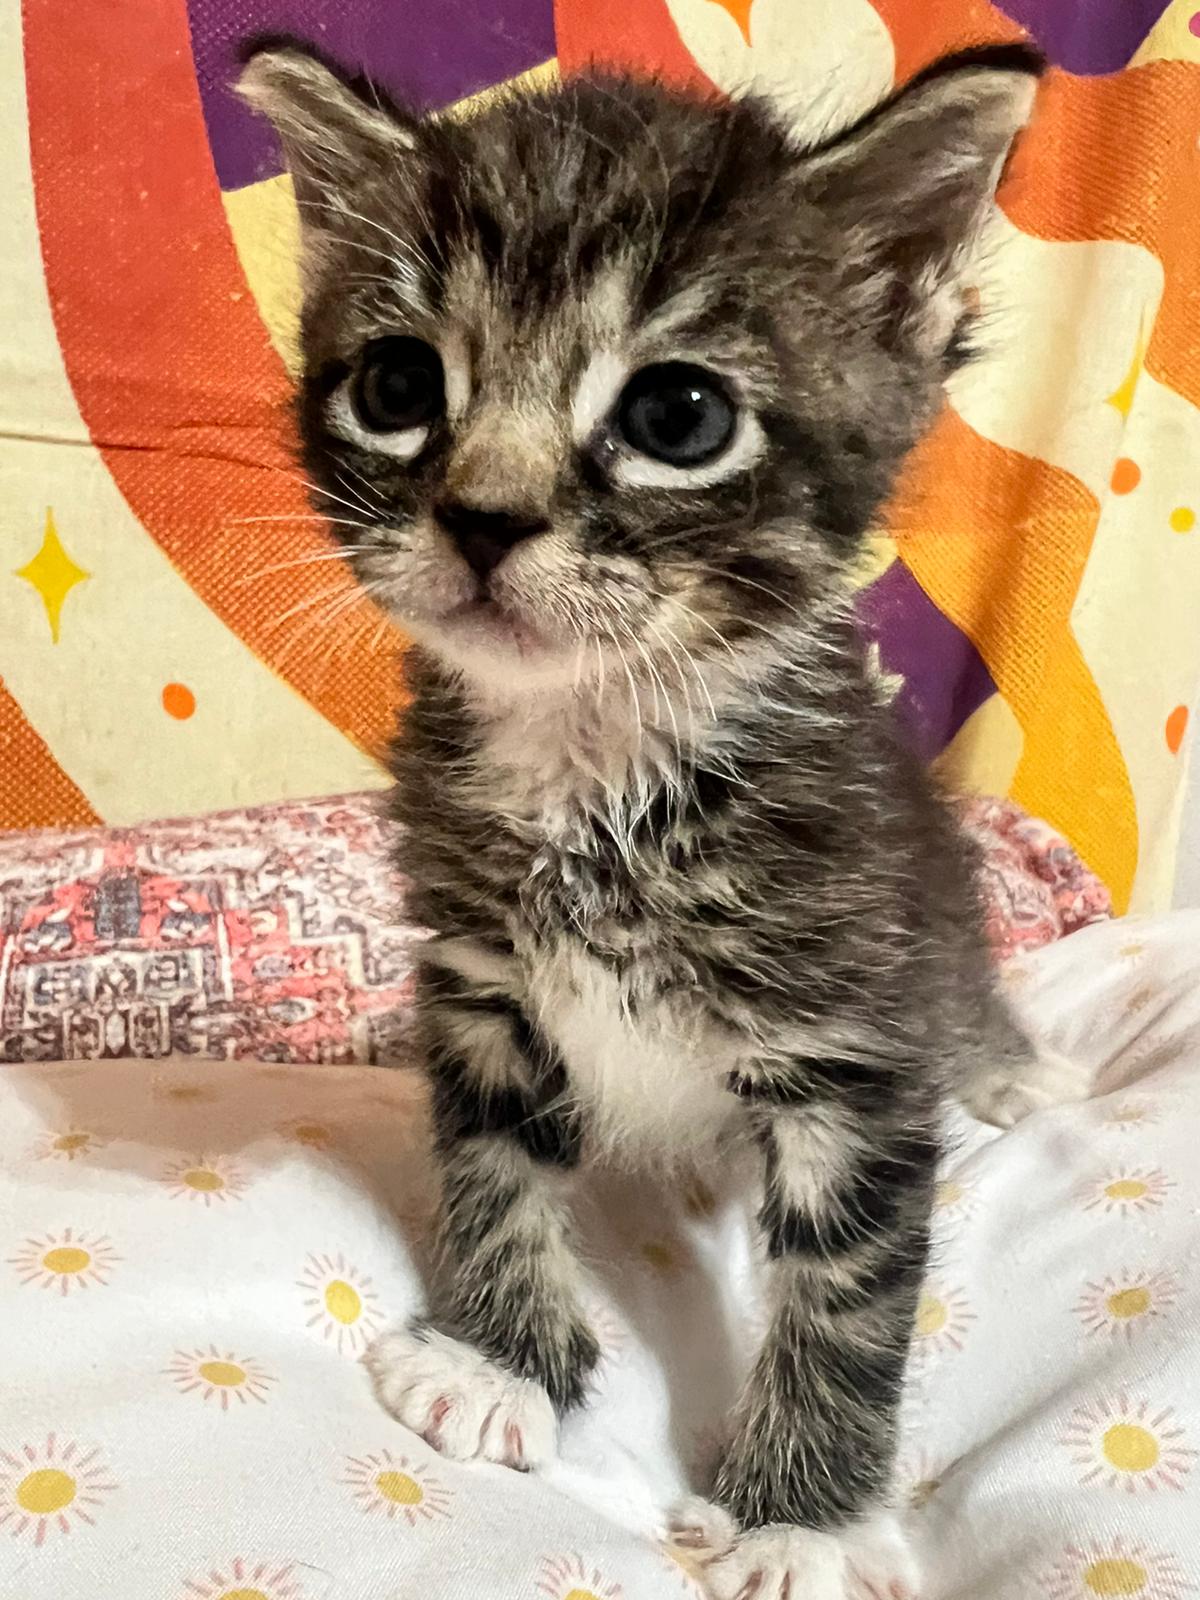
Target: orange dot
178,701
1176,728
1182,519
1126,475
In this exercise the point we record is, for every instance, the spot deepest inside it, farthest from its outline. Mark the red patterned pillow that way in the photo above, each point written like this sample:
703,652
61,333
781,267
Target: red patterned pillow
276,934
270,934
1035,887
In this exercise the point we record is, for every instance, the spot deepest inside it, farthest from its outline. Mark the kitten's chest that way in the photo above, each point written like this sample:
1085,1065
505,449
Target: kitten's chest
644,1058
606,941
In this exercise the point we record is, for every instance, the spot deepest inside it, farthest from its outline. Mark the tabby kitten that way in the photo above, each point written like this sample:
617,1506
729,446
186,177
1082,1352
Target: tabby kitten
603,387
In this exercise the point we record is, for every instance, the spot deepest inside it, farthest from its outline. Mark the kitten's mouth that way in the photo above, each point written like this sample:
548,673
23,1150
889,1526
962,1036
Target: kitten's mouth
486,619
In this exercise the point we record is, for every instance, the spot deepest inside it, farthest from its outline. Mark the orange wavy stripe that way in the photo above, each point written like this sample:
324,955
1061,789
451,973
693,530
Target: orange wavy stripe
171,366
1118,158
635,38
35,792
1004,563
923,30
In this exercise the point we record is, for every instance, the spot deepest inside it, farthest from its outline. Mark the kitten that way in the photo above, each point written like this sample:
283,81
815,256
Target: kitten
603,387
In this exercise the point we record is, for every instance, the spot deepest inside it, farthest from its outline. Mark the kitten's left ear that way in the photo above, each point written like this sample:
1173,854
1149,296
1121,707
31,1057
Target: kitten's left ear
911,183
333,136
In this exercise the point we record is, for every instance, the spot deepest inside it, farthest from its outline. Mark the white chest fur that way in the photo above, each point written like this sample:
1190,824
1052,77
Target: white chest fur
651,1073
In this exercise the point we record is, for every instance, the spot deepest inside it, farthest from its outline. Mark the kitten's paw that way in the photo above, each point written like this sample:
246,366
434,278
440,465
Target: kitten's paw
780,1564
1005,1098
867,1562
704,1529
461,1403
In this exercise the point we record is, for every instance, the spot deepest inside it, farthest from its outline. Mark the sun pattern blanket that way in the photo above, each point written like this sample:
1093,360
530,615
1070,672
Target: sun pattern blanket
193,1256
1033,600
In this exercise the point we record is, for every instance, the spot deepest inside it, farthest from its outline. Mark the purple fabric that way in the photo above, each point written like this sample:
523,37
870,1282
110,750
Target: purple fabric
1087,36
425,52
945,679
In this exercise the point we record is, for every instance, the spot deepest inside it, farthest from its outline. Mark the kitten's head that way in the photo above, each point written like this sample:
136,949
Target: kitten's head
608,370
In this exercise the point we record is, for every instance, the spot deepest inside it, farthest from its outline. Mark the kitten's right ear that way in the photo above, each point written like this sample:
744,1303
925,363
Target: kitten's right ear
332,135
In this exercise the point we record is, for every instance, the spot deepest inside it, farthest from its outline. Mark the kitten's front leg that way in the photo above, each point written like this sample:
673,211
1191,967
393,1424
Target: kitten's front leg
845,1217
506,1346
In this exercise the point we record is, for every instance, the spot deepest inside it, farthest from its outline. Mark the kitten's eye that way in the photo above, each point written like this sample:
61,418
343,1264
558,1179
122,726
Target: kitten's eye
399,385
677,413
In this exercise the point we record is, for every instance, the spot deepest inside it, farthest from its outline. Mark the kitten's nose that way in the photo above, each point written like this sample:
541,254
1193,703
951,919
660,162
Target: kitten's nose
484,538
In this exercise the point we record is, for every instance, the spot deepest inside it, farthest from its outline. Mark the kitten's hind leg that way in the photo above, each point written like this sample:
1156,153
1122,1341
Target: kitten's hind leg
1007,1077
506,1347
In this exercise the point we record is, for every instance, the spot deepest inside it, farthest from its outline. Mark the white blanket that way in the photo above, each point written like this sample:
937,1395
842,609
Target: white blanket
193,1256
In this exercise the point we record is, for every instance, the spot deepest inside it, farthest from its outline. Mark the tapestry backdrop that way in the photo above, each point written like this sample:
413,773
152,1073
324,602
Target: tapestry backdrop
167,647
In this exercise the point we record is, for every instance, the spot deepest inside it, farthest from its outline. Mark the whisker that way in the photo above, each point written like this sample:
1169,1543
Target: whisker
341,604
695,666
749,583
658,682
280,516
312,600
633,694
316,488
365,481
703,621
687,699
305,561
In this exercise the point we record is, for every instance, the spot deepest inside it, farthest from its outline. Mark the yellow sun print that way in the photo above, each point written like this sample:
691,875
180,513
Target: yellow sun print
1115,1569
65,1261
46,1489
1128,1115
341,1302
568,1578
306,1131
943,1320
213,1180
1127,1190
246,1580
954,1198
184,1093
396,1487
1129,1444
661,1255
223,1377
1125,1304
67,1144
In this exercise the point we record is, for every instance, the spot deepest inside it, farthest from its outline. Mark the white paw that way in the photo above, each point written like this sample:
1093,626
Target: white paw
869,1562
699,1526
1047,1079
461,1403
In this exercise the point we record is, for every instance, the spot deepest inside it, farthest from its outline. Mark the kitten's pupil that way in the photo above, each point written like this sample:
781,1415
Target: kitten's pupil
400,385
677,413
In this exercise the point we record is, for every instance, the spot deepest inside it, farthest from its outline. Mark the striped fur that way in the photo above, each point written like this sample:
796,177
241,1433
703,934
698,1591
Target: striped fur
685,889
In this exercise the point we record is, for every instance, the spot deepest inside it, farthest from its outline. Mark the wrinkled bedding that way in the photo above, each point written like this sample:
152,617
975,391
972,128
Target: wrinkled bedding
193,1256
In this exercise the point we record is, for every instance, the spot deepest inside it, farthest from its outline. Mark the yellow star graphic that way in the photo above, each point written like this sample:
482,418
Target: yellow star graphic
53,574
